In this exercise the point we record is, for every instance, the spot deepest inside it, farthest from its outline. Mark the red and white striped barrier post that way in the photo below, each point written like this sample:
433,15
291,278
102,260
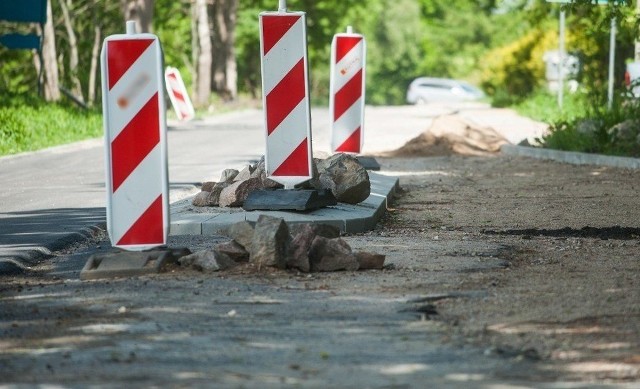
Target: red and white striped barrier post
285,89
347,90
135,140
178,94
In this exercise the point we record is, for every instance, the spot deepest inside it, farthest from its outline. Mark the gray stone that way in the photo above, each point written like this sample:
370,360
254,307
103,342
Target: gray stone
242,233
345,177
214,198
231,250
207,186
228,175
625,131
235,194
368,260
298,255
588,126
259,168
245,173
207,261
314,182
270,242
303,236
260,171
319,229
201,199
210,198
331,255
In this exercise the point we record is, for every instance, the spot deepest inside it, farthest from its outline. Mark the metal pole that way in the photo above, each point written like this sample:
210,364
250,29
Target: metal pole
561,61
282,5
131,27
612,58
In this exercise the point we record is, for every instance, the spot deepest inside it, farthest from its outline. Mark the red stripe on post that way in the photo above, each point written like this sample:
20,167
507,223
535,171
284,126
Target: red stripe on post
352,144
344,46
296,163
135,142
348,95
148,229
273,29
178,96
122,54
289,92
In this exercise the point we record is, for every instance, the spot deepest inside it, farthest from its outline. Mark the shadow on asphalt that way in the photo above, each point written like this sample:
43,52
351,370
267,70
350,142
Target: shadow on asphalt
27,237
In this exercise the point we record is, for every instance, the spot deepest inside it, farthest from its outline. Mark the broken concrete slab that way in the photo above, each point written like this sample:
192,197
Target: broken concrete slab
130,263
288,200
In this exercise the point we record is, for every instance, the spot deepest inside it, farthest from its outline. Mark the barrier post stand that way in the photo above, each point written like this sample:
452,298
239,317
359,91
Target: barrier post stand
135,155
347,95
178,94
287,113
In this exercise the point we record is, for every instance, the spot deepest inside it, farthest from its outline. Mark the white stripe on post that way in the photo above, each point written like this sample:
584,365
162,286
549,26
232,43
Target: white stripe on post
178,94
347,92
135,141
283,48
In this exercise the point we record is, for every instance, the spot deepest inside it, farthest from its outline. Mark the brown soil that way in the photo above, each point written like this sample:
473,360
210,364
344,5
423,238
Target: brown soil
557,253
449,135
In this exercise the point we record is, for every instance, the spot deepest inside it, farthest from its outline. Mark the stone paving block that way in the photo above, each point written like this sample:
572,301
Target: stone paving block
347,217
221,221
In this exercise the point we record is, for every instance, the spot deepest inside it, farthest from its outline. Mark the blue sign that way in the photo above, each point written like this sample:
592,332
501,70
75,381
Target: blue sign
24,11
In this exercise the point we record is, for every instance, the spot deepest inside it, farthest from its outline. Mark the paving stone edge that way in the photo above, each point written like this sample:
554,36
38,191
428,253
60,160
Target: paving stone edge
571,157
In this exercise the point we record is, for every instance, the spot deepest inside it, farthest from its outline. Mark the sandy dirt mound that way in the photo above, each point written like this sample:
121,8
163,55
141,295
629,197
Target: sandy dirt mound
450,135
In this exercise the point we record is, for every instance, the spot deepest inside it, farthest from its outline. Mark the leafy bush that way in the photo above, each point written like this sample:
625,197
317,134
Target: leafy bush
602,131
513,71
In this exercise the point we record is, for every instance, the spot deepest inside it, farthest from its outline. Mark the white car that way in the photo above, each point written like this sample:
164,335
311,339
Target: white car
433,90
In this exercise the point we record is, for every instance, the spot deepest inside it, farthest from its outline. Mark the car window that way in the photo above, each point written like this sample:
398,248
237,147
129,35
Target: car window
432,85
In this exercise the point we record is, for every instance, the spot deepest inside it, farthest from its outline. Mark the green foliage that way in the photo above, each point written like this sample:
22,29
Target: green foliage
516,70
172,25
543,106
592,131
27,124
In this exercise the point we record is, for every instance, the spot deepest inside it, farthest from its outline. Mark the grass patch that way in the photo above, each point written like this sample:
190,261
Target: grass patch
543,106
27,124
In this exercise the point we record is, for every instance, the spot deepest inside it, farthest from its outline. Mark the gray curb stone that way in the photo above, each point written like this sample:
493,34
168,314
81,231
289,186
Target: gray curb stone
189,220
571,157
20,260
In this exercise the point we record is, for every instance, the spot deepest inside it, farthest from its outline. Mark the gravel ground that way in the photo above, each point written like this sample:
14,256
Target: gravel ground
501,272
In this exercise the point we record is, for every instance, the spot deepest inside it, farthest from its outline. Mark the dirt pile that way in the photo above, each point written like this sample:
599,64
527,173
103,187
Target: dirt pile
449,135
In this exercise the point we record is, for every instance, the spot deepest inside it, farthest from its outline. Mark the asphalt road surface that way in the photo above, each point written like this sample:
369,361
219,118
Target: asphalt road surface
56,196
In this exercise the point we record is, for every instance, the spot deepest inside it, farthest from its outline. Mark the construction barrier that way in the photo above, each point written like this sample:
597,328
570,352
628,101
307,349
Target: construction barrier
347,92
178,94
135,140
285,86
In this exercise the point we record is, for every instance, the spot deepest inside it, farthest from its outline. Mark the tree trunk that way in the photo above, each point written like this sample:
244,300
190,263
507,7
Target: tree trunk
93,71
51,77
225,74
203,72
140,11
76,88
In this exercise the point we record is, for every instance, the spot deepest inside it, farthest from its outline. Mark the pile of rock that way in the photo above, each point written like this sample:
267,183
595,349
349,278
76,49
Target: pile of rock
342,174
271,243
